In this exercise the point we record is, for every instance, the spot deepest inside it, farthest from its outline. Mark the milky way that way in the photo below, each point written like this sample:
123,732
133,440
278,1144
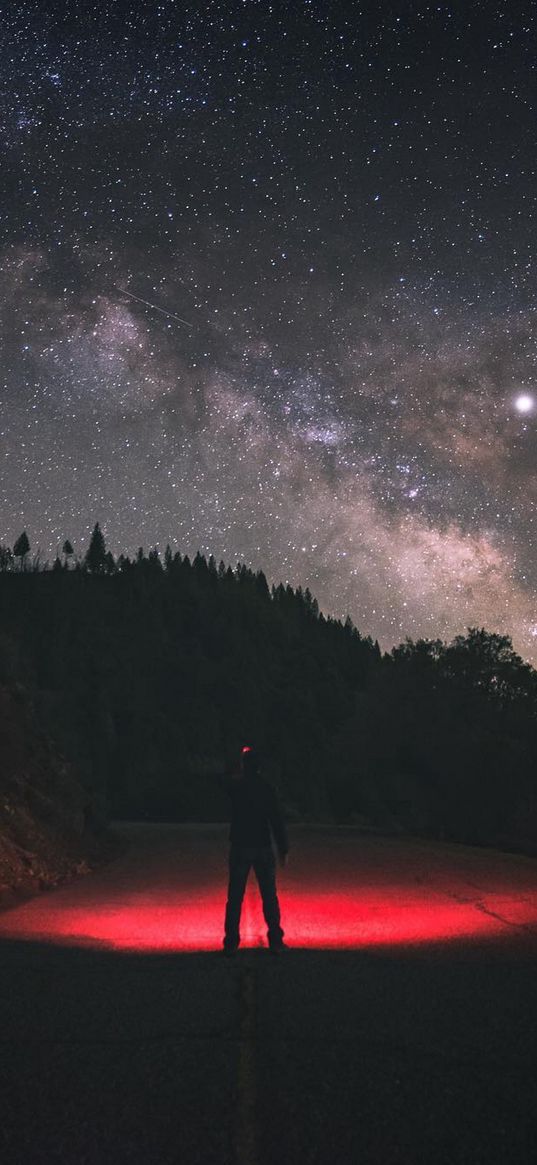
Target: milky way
339,199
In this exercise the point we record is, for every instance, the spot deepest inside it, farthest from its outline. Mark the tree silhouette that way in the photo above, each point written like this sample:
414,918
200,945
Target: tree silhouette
95,560
22,548
67,551
154,676
6,558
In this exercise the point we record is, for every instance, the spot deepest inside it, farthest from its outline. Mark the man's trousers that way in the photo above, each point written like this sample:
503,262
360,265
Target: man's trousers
241,859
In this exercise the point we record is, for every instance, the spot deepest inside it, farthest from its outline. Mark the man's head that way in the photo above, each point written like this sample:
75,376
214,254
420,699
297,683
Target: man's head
249,761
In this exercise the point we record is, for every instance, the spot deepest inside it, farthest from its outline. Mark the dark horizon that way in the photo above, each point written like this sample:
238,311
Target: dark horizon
31,561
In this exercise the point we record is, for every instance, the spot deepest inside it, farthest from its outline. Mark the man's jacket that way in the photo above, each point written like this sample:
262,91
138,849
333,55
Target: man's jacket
255,811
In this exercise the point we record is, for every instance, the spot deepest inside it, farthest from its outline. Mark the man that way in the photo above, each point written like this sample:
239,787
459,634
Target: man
255,812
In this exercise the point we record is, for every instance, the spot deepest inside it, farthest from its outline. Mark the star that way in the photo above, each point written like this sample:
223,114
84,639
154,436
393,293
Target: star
524,403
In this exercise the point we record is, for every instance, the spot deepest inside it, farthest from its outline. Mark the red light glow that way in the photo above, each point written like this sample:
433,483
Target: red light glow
353,894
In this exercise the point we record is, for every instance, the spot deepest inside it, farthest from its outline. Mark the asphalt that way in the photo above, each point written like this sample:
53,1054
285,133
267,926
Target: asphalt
412,1041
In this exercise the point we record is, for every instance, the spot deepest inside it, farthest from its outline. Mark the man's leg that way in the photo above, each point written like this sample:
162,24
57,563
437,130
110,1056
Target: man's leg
239,868
265,872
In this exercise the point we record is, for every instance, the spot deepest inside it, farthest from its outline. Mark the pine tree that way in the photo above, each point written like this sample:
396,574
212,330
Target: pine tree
261,584
6,558
200,564
67,551
95,559
154,562
22,548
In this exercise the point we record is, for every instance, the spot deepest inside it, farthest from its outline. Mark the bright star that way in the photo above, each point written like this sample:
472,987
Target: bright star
524,403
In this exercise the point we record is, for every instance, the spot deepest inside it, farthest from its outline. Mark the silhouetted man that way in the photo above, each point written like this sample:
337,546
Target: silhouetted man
255,811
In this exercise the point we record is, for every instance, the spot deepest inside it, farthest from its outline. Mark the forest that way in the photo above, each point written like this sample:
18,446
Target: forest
150,673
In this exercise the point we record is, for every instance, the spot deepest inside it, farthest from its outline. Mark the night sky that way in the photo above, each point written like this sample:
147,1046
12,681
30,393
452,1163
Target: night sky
336,204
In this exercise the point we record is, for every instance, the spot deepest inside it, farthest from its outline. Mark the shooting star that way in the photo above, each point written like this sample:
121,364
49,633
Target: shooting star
154,306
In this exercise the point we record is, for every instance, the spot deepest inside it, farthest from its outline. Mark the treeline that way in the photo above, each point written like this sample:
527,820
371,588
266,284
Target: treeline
152,673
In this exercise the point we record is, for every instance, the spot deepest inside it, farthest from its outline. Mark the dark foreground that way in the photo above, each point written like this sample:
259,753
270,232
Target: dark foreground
400,1026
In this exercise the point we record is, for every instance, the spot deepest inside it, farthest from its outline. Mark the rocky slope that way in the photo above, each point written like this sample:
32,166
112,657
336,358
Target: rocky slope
46,830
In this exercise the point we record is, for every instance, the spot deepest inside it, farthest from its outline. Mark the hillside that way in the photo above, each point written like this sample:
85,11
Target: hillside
151,674
47,834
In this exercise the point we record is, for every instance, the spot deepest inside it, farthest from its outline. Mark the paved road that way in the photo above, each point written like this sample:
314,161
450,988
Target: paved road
399,1028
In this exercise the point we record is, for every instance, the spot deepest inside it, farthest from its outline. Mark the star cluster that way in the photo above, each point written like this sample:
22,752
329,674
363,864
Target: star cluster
335,203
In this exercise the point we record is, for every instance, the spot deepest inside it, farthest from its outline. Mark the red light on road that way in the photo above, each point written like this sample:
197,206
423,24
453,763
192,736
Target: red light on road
190,917
168,893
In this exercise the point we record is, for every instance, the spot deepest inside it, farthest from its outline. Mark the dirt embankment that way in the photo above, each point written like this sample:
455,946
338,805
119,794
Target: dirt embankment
46,830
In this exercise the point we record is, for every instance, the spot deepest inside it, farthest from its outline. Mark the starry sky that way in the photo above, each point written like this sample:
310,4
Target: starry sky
335,203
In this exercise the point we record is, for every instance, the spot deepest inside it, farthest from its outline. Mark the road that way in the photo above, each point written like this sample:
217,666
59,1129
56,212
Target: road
398,1028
